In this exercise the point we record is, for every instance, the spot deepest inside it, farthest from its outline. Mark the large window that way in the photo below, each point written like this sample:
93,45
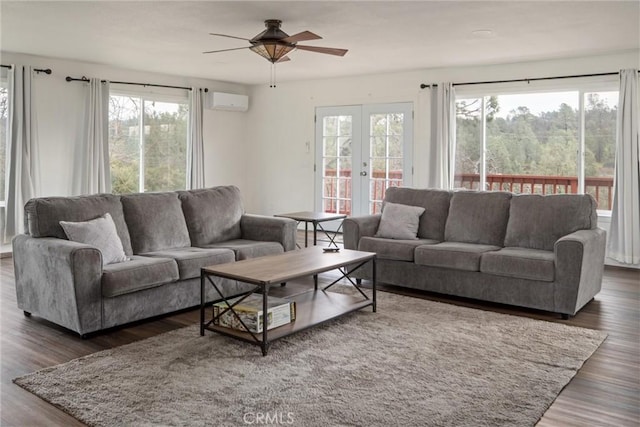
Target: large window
147,143
538,142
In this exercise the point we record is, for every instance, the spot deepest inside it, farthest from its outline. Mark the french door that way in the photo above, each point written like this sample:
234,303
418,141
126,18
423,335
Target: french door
360,152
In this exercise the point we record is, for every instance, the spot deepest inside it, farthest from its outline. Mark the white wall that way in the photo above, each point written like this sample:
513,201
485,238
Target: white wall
59,109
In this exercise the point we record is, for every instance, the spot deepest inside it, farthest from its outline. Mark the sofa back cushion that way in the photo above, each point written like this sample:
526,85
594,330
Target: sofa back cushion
43,215
434,202
478,217
155,221
212,214
537,221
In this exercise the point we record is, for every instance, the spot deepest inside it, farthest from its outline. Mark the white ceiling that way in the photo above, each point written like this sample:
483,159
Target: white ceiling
382,36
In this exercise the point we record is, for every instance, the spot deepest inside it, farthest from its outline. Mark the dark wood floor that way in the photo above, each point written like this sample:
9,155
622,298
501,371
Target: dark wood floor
606,391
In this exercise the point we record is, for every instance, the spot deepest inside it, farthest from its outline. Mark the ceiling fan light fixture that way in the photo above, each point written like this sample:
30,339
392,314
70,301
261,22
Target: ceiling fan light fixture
273,51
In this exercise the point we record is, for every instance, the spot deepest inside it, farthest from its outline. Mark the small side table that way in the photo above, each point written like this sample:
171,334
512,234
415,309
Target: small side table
316,218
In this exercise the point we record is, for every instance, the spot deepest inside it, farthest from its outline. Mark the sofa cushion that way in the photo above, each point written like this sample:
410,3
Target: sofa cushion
401,250
212,214
399,221
455,255
537,221
43,215
478,217
101,233
155,221
435,203
191,260
137,274
521,263
245,249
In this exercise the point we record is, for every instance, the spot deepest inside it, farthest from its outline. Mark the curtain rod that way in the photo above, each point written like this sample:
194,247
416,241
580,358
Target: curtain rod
37,70
84,79
424,86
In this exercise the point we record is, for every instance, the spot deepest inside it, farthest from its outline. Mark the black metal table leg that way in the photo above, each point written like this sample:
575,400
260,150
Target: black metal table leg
202,304
373,296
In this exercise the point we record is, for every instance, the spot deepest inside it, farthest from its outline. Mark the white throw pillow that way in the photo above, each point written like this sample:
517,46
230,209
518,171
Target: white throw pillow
399,221
101,233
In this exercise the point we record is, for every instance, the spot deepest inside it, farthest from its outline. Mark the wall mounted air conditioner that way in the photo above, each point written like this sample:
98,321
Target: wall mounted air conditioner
226,101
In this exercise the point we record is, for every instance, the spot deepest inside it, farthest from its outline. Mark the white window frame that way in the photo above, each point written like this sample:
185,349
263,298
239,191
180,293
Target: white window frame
146,95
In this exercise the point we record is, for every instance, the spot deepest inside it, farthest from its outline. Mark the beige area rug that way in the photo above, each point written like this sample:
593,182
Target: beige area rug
413,363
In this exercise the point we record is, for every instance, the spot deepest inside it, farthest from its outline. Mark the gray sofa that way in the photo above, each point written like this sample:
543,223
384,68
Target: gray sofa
168,237
541,252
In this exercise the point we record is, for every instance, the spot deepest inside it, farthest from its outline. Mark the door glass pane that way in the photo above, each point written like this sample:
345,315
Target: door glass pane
165,137
124,143
336,173
468,143
386,155
330,146
600,145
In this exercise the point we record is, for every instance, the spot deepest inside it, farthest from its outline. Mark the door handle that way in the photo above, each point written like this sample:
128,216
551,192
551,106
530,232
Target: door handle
363,173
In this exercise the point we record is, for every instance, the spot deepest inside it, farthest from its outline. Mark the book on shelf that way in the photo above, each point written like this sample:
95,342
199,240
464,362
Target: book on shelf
280,312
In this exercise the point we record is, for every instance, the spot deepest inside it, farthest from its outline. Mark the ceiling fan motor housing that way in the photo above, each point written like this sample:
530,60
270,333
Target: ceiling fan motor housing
268,43
272,33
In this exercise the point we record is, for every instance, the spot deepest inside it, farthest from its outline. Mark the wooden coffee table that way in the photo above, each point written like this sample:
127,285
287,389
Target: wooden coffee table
313,307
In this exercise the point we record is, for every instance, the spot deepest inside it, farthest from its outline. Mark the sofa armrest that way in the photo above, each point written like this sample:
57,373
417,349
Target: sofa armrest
59,280
270,229
579,268
355,228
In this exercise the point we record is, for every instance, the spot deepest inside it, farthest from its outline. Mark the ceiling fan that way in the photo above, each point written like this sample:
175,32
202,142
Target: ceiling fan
274,44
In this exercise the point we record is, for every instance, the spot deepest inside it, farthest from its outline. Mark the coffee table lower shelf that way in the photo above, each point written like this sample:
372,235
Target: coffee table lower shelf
312,308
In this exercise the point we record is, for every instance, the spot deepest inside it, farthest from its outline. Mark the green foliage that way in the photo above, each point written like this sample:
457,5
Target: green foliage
523,143
164,137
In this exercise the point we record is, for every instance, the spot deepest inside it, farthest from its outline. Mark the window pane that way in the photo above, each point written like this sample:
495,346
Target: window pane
600,145
165,146
468,143
124,144
532,143
4,117
4,126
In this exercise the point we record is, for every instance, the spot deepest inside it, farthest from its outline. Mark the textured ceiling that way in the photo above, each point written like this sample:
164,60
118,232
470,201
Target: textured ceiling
384,36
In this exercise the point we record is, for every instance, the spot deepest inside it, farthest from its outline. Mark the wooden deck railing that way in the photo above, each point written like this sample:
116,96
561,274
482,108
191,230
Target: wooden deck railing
601,188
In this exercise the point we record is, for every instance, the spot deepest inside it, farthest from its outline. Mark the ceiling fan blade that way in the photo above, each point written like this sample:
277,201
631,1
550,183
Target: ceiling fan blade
226,50
226,35
327,50
305,35
283,59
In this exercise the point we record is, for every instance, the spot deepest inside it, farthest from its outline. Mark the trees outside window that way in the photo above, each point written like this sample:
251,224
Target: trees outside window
147,144
532,143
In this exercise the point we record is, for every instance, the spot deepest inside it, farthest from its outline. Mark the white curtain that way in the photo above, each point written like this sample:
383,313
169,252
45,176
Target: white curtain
22,167
443,137
195,148
92,169
624,235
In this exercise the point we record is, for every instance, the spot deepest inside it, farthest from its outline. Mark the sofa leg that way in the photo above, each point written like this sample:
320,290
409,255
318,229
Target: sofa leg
565,316
359,281
27,314
283,284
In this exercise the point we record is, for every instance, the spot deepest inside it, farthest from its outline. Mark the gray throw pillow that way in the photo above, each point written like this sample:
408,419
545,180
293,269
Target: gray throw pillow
399,221
101,233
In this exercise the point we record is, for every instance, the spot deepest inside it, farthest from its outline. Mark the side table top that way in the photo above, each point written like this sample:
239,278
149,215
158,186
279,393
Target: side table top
312,216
